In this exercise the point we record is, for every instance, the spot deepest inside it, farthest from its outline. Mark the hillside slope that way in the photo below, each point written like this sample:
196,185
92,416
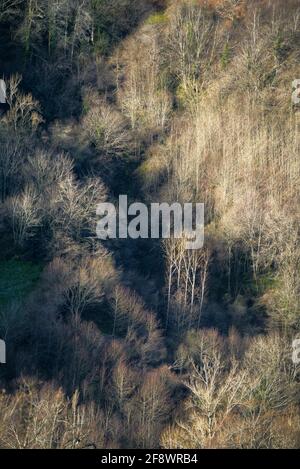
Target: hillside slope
141,343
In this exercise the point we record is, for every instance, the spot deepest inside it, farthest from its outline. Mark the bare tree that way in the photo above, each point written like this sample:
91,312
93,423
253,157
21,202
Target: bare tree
8,8
24,110
24,215
10,164
107,129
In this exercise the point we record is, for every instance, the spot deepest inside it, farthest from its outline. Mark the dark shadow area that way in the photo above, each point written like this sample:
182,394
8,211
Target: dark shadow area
54,70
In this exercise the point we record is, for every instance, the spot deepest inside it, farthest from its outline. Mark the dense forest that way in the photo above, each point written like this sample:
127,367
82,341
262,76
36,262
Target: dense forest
141,343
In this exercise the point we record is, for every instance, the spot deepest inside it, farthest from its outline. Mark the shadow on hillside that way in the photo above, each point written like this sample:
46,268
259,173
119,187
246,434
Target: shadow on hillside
54,79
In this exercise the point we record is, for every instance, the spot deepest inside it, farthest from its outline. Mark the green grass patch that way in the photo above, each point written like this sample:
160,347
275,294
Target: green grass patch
267,282
17,279
157,18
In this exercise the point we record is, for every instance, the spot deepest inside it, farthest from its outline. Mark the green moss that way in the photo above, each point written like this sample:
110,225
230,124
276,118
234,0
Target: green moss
267,282
157,18
17,279
225,56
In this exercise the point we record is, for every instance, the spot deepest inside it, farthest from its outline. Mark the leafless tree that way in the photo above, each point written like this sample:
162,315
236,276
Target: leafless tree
24,215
